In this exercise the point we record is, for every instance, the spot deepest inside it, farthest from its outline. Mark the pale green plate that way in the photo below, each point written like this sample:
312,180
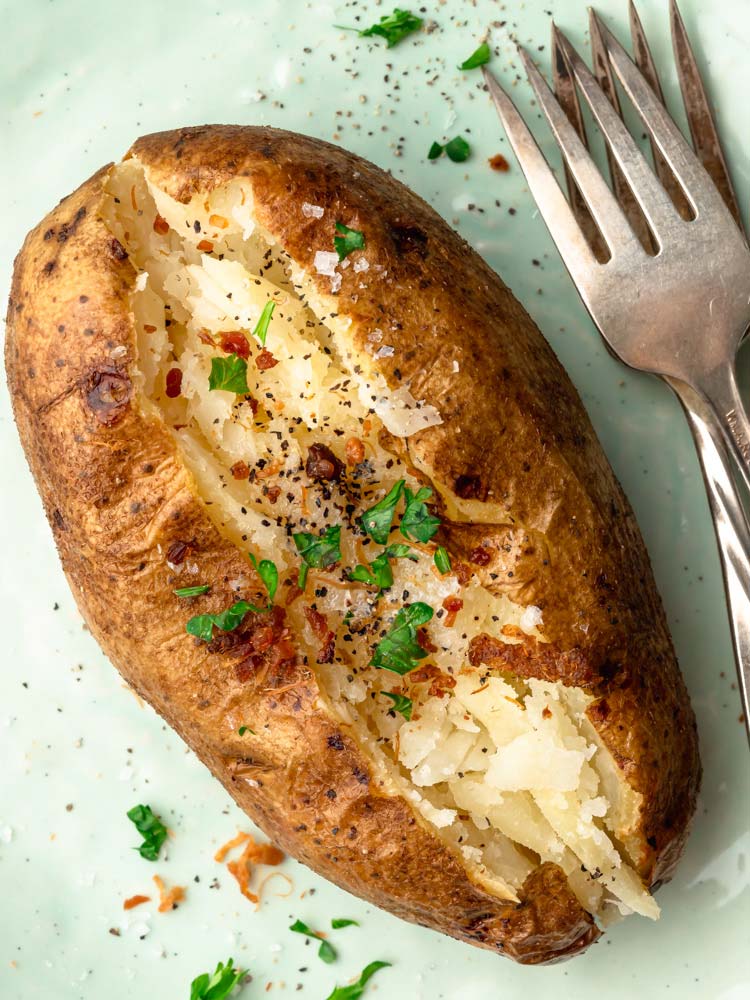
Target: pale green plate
78,82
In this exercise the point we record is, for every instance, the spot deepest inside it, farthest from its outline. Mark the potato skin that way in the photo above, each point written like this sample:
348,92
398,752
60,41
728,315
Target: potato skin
117,496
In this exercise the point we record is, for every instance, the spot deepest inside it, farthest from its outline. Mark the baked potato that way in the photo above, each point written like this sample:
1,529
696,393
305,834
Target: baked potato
330,504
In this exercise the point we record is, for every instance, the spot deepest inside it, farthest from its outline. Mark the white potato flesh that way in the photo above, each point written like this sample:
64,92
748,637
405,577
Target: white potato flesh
509,772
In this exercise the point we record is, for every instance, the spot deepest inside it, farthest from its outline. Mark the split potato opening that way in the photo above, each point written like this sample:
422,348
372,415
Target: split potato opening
287,432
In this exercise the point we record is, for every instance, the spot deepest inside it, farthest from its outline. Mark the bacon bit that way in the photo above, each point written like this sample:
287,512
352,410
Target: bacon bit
546,714
147,328
461,571
425,642
234,342
265,360
174,383
161,226
206,246
205,337
270,470
367,425
252,403
498,162
240,470
513,632
253,854
441,685
303,501
321,463
294,593
134,901
423,674
327,638
168,898
218,221
178,551
452,605
355,451
273,493
480,556
133,202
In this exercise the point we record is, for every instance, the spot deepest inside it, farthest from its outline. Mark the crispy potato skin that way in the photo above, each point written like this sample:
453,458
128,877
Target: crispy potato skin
117,495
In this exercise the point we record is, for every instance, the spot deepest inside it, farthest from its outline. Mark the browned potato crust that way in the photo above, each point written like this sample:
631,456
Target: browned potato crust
515,435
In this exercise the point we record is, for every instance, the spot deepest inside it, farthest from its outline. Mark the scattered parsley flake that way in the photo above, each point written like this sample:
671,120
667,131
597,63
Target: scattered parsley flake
246,729
216,986
268,573
417,523
457,150
202,588
479,57
326,951
401,703
202,626
317,551
355,990
379,573
399,650
261,327
442,560
338,922
151,828
378,519
393,27
352,240
229,373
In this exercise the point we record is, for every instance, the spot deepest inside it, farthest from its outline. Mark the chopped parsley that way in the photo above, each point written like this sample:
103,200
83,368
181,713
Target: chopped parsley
399,650
246,729
393,27
351,240
269,575
202,626
202,588
477,58
229,373
218,985
418,524
378,519
442,560
326,951
457,150
261,327
355,990
317,551
401,703
379,573
338,922
151,828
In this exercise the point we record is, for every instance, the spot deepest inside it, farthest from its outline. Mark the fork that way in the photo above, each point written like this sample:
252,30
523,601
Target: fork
660,259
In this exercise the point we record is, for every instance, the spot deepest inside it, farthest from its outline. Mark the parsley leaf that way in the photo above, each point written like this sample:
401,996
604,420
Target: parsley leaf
246,729
269,575
202,626
401,703
216,986
355,990
442,560
352,240
229,373
379,573
317,551
378,519
399,650
339,922
203,588
477,58
418,524
457,150
326,952
393,27
261,327
152,830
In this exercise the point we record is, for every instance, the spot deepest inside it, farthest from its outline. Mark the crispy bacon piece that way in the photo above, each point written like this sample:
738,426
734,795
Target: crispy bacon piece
234,342
205,338
327,638
178,552
206,246
480,556
499,163
168,898
174,383
265,360
452,605
273,493
322,463
355,451
240,470
161,226
425,642
134,901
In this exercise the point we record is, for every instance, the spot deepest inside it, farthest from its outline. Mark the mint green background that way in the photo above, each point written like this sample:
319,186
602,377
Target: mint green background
78,82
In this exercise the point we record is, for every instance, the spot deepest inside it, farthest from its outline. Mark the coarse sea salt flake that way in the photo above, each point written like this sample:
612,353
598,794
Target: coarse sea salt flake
361,265
141,281
531,617
386,351
325,262
312,211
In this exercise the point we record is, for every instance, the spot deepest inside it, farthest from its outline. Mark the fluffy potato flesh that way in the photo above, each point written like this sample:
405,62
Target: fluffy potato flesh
509,772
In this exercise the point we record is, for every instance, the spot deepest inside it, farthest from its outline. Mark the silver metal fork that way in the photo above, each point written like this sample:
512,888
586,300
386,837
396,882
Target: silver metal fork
659,259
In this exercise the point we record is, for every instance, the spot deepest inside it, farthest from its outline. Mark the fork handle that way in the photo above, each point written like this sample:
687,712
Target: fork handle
730,524
722,392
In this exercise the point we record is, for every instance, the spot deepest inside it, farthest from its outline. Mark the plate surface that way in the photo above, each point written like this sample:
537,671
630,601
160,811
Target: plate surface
78,82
